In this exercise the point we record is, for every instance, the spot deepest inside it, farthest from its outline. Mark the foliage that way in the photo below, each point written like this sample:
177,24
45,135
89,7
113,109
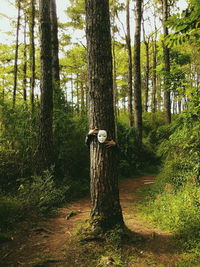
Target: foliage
71,153
133,158
176,196
10,211
76,12
41,192
18,141
37,196
186,26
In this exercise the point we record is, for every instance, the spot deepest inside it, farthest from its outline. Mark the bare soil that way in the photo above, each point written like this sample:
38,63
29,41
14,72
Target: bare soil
51,242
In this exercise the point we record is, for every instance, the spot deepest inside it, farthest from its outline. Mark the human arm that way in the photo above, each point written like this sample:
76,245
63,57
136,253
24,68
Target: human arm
90,136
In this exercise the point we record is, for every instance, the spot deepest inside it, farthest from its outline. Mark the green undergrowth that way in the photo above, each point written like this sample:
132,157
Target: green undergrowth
173,202
35,199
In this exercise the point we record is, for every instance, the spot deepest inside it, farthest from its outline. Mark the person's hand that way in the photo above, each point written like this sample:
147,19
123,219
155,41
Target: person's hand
110,143
93,131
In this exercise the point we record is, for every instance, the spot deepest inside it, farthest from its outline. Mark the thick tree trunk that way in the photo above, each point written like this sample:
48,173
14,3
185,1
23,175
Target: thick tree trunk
130,65
32,53
46,137
105,207
137,71
166,51
16,54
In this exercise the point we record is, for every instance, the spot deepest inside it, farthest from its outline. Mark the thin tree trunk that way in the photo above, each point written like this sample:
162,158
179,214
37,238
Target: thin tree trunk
137,71
179,106
55,56
77,93
46,134
147,77
25,63
105,207
154,76
115,93
159,97
147,69
82,99
166,51
3,86
154,73
16,54
130,65
32,54
72,90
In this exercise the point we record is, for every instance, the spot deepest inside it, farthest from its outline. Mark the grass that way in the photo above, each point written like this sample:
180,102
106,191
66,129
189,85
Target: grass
177,211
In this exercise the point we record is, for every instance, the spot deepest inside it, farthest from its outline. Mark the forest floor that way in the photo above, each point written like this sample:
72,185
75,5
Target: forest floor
53,242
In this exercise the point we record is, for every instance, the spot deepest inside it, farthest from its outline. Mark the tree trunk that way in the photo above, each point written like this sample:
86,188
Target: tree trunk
115,92
82,99
32,54
77,93
46,136
105,206
137,71
159,97
179,106
147,69
147,76
25,63
16,54
72,91
55,55
154,76
154,73
167,102
130,65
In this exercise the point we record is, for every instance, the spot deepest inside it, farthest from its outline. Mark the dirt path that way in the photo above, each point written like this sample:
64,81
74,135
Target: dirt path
46,242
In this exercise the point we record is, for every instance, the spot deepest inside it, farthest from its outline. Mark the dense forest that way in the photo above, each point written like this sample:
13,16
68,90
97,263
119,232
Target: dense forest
129,68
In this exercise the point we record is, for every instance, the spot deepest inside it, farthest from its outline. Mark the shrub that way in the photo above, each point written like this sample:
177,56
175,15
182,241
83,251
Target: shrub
176,195
42,192
11,211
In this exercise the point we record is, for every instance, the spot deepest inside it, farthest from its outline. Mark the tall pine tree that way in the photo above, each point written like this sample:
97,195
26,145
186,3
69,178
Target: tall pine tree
105,209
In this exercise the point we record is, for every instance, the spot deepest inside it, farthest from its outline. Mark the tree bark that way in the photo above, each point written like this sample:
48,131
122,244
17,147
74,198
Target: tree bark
147,69
82,99
137,71
166,51
16,53
154,72
46,136
72,91
32,53
55,55
115,92
154,76
147,76
105,206
130,65
77,93
25,62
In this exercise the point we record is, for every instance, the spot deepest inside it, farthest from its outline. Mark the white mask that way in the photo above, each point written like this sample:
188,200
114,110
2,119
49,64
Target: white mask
102,135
